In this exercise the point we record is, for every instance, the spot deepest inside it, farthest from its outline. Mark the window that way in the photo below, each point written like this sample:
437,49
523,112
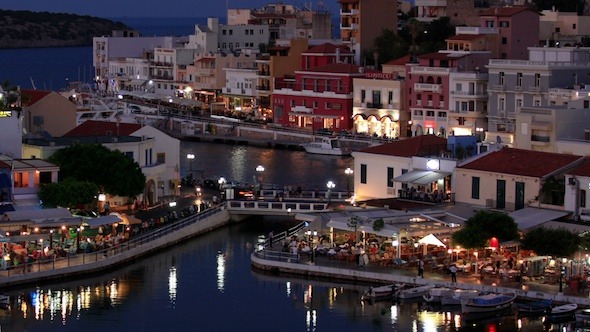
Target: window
390,97
129,154
489,24
292,103
504,40
518,79
231,32
404,185
501,78
502,104
583,198
475,187
363,96
223,32
518,104
537,80
586,103
328,106
574,26
557,29
504,24
389,177
364,173
315,104
161,158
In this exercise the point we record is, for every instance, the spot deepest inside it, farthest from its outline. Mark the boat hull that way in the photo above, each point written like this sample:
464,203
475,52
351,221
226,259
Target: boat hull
331,152
563,311
487,303
414,292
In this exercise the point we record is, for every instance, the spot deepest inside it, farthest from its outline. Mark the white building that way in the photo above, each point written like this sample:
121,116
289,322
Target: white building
240,90
11,133
215,37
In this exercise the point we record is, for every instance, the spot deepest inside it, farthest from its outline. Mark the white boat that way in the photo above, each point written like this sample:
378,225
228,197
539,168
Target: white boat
487,303
380,292
413,292
435,294
327,145
562,311
458,296
583,315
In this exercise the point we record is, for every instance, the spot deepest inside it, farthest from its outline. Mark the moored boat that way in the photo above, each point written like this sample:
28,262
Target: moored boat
381,292
488,303
534,307
583,315
562,311
435,294
413,292
4,301
328,146
458,296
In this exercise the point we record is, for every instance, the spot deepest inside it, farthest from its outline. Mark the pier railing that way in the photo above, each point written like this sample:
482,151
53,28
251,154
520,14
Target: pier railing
274,207
76,259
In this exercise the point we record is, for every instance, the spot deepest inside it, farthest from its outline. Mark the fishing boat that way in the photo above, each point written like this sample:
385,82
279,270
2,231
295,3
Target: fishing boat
562,311
435,294
583,315
488,303
458,296
534,307
328,146
381,292
413,292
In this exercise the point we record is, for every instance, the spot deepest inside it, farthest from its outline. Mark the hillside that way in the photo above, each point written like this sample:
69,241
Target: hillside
19,29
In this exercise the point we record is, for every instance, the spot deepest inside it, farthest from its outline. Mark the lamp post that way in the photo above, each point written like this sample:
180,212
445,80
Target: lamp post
190,158
348,173
562,274
221,182
259,169
331,185
315,233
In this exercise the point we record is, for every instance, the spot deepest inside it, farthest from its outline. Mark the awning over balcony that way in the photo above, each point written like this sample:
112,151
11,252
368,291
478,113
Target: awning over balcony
421,177
529,217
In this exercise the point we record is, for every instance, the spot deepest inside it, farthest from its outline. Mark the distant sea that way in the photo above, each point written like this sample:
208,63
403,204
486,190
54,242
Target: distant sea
53,68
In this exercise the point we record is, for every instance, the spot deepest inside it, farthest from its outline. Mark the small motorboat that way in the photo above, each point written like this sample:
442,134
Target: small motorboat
562,311
381,292
488,303
327,145
458,296
583,315
435,294
413,292
4,301
534,307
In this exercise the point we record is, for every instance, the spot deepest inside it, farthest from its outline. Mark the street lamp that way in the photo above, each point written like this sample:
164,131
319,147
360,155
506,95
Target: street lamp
331,185
562,274
190,158
348,172
259,169
221,182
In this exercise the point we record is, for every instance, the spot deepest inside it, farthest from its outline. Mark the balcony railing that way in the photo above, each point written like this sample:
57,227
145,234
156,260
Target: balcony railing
421,87
262,88
263,73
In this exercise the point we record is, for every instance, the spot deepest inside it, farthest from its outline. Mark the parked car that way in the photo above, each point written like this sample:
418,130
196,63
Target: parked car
325,132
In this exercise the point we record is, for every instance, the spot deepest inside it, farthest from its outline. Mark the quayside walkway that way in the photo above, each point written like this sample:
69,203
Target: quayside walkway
272,259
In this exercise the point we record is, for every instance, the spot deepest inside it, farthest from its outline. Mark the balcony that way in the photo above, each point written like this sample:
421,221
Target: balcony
427,87
348,26
535,89
473,94
518,88
498,87
374,105
348,12
429,70
263,73
540,140
161,64
205,71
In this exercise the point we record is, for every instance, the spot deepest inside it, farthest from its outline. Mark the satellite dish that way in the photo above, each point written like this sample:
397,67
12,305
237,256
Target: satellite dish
498,139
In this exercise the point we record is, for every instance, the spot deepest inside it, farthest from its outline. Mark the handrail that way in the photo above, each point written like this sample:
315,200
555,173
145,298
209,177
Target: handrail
76,259
284,234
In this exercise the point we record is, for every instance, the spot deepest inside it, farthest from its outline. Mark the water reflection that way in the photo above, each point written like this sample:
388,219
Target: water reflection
172,284
220,271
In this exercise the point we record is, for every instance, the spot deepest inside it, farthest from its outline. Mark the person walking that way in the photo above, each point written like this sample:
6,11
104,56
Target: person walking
453,271
270,238
107,208
420,268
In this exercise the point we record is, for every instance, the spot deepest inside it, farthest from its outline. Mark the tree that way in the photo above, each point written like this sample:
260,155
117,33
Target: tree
389,46
111,171
483,226
562,243
68,193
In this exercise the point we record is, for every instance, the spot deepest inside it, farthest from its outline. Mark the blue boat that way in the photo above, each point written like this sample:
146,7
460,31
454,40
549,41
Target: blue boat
534,307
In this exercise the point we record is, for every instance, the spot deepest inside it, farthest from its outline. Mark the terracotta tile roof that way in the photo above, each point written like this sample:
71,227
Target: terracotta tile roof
400,61
415,146
521,162
465,37
34,95
328,48
336,68
102,128
583,169
504,11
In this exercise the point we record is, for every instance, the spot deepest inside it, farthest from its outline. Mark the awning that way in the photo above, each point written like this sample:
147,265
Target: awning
40,214
127,219
411,176
136,82
386,231
5,181
532,217
101,221
431,239
430,177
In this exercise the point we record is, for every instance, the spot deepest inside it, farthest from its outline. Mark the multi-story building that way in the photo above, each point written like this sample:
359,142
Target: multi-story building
514,84
460,12
563,29
280,60
228,38
239,92
167,68
518,27
132,74
319,97
47,111
285,21
21,180
11,132
105,49
378,101
361,21
428,87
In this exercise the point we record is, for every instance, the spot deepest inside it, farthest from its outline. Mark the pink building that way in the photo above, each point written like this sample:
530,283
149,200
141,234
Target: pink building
518,27
319,97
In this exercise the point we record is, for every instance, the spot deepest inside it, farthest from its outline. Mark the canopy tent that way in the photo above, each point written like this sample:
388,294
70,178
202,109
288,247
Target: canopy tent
127,219
104,220
431,239
421,177
411,176
386,231
431,177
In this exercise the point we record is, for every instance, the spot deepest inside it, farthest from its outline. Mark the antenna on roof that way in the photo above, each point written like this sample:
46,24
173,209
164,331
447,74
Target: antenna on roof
33,83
